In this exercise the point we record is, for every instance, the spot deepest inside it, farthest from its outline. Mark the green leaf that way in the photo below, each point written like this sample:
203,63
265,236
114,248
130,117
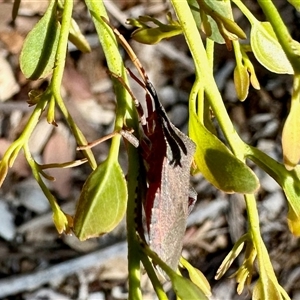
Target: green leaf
223,8
218,165
250,68
77,38
291,137
288,180
102,203
38,54
241,81
152,35
185,289
244,273
295,3
63,222
291,188
266,291
231,256
267,49
219,16
215,33
197,277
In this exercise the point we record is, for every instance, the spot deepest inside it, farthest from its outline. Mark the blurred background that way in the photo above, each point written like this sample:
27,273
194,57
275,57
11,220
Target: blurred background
37,263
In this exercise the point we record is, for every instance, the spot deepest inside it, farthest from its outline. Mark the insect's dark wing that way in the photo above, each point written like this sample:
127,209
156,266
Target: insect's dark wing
171,206
174,137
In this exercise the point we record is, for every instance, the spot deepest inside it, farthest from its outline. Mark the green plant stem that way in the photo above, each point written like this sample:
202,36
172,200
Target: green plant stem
56,81
244,9
204,72
153,277
210,47
267,163
60,219
290,47
81,140
131,215
265,266
61,52
124,108
114,60
115,65
204,75
237,53
33,120
202,107
13,150
35,171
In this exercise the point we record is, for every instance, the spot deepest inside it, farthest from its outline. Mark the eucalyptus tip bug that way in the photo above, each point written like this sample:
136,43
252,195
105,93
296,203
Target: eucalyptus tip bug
167,154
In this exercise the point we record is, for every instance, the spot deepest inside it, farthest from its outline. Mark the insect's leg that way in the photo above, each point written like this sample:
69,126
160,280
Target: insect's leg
129,51
137,104
149,103
97,142
125,133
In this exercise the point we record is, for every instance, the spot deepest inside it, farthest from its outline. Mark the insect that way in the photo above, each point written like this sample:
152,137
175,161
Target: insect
167,154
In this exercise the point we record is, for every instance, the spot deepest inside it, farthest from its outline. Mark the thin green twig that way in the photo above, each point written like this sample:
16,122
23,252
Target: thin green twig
56,81
125,114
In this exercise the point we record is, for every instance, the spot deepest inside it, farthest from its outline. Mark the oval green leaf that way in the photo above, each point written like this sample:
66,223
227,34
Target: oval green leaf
78,39
197,277
266,290
230,257
146,34
218,165
290,183
151,36
295,3
288,180
241,81
185,289
102,203
63,222
267,49
221,7
291,137
38,54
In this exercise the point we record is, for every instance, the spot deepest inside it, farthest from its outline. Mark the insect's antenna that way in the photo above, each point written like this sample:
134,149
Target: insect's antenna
129,51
